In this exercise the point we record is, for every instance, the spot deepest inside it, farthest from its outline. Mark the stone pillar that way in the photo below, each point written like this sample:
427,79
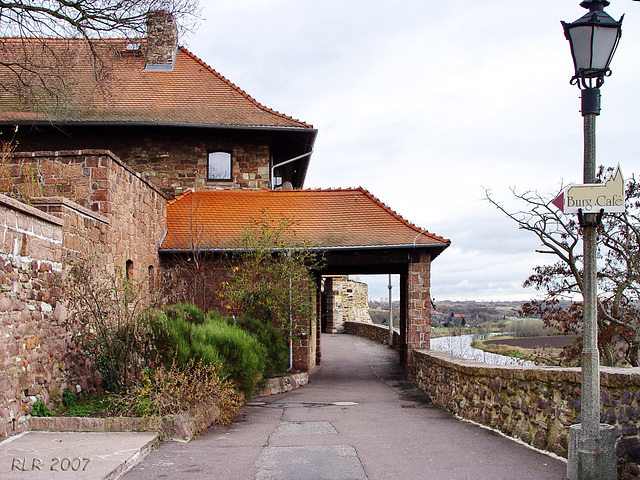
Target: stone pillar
301,348
305,337
404,306
418,333
330,312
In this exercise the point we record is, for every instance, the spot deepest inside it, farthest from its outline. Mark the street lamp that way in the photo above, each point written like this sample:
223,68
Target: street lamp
593,39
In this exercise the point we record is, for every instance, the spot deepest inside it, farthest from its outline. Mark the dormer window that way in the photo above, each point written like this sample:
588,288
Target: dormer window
219,166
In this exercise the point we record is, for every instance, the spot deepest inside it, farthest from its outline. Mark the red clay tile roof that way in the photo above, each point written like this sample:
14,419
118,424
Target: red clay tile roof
192,94
343,218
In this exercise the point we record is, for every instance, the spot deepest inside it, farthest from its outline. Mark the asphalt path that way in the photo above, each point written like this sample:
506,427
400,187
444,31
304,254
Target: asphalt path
358,419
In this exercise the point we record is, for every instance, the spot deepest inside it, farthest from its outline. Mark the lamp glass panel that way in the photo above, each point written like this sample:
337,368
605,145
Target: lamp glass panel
604,41
581,43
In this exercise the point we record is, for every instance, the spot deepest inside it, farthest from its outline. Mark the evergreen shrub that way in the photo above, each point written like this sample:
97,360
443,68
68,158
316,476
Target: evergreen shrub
215,341
273,339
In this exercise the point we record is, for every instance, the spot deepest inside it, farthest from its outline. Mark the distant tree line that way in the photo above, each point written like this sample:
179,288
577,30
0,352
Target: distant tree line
450,313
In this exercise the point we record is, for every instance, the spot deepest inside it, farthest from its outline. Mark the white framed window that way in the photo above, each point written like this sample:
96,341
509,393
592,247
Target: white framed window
219,166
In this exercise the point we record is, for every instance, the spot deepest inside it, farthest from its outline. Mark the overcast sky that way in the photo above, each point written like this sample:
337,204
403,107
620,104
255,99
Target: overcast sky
425,104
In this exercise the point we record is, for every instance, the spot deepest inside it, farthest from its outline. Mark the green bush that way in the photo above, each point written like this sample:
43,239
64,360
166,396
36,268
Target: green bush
185,311
237,353
245,358
273,339
69,398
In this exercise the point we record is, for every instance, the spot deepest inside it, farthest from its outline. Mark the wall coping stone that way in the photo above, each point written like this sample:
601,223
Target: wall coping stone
283,384
71,205
609,376
29,210
178,428
89,151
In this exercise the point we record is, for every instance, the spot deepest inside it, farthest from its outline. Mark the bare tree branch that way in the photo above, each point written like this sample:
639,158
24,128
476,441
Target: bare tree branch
618,274
41,41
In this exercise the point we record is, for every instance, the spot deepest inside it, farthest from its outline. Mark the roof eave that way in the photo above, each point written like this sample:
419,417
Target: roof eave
436,246
87,123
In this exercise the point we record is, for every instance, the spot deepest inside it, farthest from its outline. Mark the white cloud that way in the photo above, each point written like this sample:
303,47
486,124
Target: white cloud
425,104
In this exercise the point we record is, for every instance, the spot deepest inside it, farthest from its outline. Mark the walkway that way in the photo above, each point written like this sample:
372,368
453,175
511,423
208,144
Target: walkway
357,419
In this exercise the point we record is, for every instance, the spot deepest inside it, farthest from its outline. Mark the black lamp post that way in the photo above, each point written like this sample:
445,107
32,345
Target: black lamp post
593,39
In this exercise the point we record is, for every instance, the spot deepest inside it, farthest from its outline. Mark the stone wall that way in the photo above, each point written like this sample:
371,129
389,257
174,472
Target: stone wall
372,331
172,160
536,405
347,301
35,353
95,206
117,216
85,232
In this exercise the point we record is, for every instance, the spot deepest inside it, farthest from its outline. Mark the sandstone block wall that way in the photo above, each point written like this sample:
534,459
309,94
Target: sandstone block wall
533,404
34,344
305,340
172,160
418,303
347,301
355,297
117,215
94,206
372,331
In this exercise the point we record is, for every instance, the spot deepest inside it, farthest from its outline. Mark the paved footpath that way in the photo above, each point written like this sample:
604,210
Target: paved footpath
358,419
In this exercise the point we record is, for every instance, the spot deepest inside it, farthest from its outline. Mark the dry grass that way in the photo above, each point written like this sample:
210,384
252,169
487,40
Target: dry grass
169,391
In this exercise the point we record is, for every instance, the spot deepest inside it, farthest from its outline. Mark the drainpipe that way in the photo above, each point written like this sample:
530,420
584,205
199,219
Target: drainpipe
390,314
273,168
290,323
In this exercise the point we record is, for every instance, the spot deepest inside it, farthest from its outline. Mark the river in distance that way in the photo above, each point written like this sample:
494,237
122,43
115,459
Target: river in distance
460,346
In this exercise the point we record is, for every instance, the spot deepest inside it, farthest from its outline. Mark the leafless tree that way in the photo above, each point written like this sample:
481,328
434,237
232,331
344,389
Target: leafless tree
42,40
562,284
89,19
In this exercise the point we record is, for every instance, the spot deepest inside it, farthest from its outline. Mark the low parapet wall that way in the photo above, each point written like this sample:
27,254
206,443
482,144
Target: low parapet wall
534,404
372,331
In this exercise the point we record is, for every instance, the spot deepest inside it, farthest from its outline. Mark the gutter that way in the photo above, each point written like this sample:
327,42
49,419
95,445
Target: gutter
365,247
98,123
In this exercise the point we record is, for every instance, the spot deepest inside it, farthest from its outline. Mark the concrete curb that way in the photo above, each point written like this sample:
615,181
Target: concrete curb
132,461
178,428
283,384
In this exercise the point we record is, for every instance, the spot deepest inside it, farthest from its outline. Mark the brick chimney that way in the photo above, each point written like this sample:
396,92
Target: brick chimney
162,40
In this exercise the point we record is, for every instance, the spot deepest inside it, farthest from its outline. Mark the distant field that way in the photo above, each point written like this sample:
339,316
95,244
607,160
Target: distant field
557,341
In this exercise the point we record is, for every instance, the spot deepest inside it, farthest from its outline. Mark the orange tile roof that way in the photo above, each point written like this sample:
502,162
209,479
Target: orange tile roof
192,94
342,218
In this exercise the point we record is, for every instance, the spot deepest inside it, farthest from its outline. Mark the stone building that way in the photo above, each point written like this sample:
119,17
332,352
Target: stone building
346,301
176,121
111,169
